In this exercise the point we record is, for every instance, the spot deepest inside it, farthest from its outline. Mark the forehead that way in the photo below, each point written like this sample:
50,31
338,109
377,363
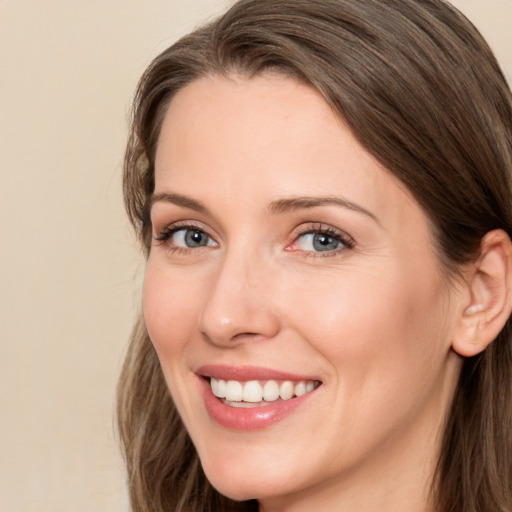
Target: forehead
266,111
262,136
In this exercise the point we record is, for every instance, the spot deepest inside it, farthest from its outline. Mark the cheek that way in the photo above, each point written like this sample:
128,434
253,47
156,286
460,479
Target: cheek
169,307
361,320
170,302
382,340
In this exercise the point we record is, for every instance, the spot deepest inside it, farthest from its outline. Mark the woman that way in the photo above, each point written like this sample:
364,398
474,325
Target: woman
323,193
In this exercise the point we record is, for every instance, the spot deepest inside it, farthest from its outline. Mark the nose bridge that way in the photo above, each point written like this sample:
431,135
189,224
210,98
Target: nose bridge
238,304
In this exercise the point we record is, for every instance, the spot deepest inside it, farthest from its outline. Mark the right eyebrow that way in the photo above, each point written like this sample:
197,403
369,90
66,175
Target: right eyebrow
296,203
179,200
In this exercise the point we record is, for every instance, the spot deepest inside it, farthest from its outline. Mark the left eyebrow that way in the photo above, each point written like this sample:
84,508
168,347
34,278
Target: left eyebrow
298,203
178,200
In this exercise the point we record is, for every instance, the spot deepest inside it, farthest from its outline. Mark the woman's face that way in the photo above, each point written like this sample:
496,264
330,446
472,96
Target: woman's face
286,261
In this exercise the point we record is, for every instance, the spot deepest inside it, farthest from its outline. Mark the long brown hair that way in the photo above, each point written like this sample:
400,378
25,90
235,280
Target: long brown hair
422,92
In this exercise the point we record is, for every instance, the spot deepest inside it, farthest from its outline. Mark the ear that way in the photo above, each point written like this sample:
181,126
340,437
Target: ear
489,285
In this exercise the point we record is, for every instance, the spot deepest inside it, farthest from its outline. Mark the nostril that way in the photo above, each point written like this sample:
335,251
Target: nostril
248,334
233,312
233,339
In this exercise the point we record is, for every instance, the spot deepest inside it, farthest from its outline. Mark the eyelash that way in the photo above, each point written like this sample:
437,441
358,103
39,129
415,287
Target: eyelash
163,236
345,240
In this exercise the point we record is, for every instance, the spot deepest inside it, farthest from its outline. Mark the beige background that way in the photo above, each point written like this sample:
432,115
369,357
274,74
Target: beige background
69,272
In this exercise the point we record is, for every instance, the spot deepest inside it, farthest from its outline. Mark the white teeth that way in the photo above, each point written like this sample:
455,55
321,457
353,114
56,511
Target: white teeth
300,389
246,405
286,390
218,387
270,391
214,384
221,388
234,391
253,392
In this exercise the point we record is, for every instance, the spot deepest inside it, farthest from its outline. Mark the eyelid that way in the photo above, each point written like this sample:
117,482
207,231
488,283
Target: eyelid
346,240
163,234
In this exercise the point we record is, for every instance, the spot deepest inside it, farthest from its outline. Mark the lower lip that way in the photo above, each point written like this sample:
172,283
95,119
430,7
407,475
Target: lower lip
253,418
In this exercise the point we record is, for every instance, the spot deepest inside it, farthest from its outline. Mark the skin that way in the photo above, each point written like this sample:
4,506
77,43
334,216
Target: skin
373,321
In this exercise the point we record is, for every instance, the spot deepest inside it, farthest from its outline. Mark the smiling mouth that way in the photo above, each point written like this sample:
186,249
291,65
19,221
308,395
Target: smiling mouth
256,393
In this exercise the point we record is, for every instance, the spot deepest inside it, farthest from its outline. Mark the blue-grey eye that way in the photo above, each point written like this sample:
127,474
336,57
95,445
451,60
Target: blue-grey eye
318,242
191,238
323,242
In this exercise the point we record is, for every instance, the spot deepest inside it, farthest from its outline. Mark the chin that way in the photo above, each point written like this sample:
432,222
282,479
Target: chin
243,489
247,477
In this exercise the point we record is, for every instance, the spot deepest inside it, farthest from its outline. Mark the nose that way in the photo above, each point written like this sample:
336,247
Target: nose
239,306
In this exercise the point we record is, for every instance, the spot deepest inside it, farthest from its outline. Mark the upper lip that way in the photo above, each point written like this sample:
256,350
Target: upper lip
246,373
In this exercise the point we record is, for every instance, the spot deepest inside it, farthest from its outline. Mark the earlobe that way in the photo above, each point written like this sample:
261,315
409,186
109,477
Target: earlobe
489,285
